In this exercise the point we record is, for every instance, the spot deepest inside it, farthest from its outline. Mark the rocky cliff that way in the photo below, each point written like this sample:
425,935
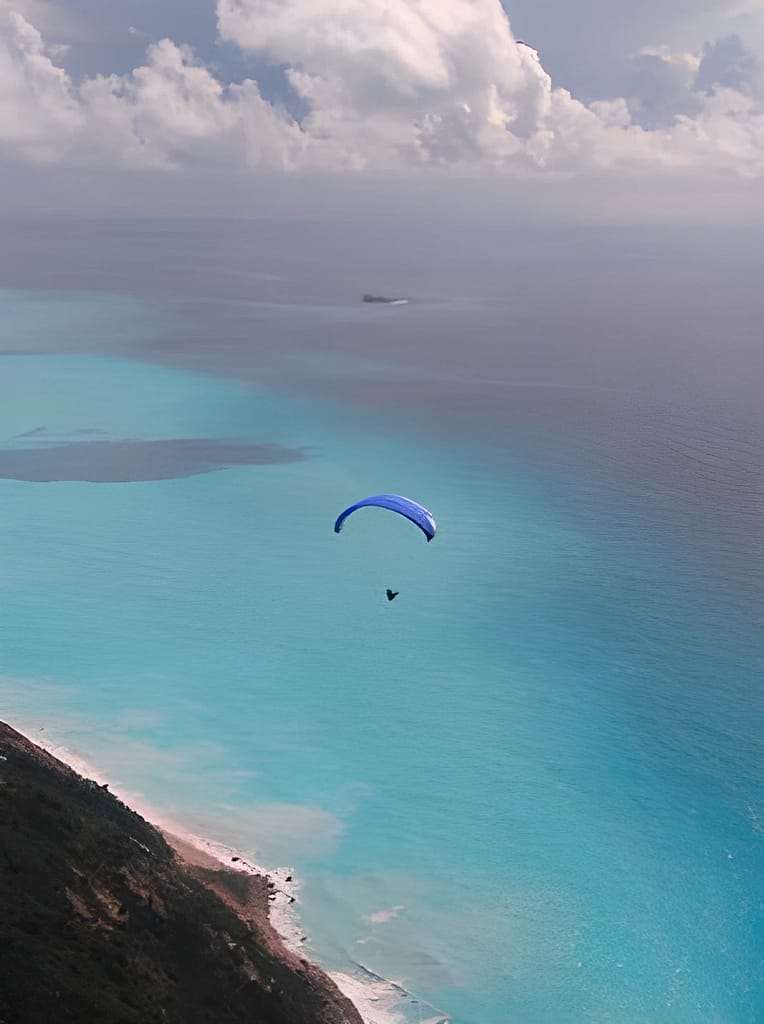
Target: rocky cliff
102,922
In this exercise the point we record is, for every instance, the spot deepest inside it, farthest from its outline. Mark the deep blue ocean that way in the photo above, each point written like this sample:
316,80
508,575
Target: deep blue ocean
531,789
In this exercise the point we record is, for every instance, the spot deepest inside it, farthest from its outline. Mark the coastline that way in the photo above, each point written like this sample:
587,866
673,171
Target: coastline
272,903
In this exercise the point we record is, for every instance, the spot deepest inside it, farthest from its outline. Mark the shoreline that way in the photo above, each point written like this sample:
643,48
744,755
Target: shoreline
375,999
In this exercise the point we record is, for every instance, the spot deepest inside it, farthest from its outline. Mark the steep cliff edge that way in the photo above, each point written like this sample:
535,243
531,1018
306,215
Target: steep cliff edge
102,922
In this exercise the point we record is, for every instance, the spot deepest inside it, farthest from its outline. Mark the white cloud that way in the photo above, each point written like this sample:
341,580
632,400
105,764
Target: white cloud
428,81
707,108
391,81
730,126
171,112
167,112
386,84
38,113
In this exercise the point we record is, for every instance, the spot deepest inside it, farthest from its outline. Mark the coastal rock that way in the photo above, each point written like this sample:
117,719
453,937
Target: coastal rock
103,921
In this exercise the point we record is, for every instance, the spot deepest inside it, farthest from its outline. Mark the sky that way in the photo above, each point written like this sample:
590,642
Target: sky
640,110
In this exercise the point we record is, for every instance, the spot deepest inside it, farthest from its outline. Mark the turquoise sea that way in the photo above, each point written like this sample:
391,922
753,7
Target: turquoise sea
531,789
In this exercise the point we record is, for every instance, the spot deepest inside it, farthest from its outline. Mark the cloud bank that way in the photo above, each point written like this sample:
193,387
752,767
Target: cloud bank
376,85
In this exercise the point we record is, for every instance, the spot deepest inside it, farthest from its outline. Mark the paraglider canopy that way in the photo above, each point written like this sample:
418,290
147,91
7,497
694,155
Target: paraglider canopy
412,510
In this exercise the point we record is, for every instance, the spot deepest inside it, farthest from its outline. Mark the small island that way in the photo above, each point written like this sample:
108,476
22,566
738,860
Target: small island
384,299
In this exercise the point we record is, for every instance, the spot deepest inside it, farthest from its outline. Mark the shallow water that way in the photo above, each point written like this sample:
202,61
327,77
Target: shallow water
530,789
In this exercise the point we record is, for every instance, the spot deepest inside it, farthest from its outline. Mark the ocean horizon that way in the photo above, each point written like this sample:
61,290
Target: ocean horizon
527,791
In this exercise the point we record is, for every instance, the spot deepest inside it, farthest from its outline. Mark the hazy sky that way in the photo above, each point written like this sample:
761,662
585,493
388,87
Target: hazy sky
655,102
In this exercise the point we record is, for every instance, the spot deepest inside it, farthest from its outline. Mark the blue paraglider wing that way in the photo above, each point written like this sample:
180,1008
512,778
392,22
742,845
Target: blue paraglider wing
417,513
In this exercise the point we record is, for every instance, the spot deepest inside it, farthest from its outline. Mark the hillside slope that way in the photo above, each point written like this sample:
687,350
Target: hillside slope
101,922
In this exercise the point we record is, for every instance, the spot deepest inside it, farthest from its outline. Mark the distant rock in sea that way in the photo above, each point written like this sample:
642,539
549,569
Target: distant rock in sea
102,920
384,299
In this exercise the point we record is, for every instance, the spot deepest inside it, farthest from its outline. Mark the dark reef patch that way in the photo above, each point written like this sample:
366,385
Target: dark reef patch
127,461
